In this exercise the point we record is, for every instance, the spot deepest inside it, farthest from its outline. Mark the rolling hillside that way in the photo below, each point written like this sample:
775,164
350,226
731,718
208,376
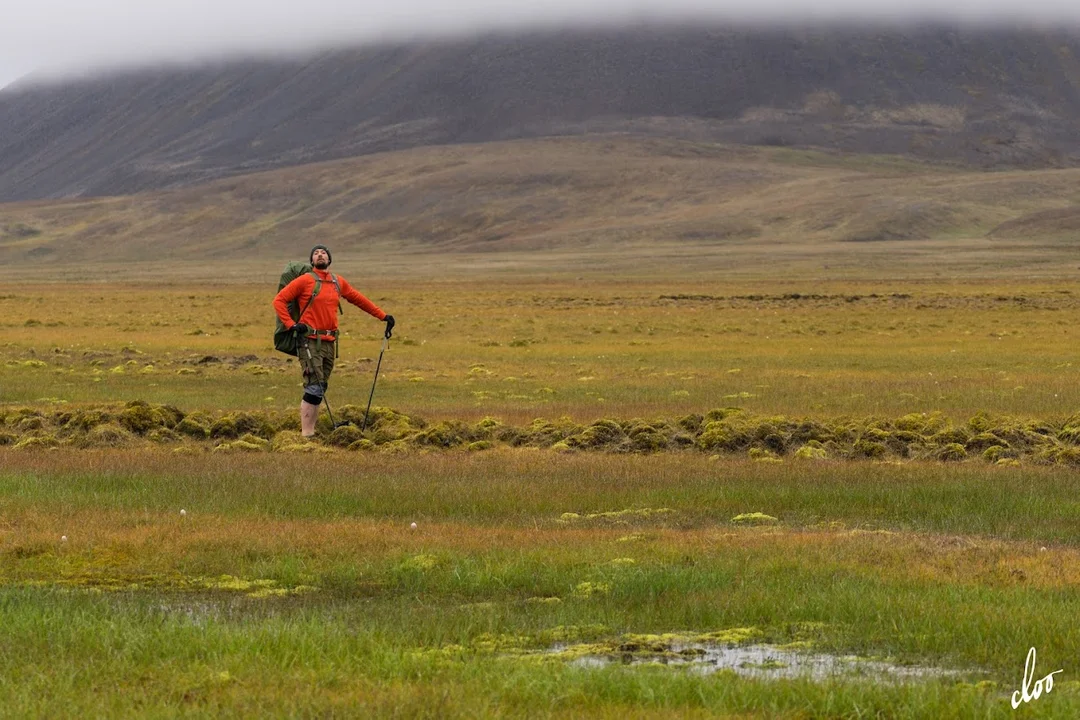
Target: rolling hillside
986,98
616,195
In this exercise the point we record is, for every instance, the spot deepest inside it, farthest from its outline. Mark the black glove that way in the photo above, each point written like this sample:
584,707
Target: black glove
389,325
301,328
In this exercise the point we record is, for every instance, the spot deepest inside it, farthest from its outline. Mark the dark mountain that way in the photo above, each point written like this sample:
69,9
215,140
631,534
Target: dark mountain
990,98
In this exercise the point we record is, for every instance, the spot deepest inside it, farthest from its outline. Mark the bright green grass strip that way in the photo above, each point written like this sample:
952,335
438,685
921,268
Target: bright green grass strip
538,487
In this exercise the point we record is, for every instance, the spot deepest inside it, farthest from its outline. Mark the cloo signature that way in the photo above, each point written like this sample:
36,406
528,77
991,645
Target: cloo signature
1029,691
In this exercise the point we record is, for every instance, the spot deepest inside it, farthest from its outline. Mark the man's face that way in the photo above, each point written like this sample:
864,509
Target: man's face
320,259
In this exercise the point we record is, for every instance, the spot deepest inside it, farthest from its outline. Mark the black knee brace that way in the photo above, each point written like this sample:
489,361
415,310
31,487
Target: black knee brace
312,399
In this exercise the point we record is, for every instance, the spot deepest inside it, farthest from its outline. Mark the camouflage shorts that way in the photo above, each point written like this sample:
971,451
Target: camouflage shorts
316,361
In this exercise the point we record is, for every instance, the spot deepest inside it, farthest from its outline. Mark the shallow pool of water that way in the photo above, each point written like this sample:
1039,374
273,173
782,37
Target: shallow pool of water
764,661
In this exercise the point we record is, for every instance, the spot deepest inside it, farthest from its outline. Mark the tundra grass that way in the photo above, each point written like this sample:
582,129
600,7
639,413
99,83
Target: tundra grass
286,591
528,349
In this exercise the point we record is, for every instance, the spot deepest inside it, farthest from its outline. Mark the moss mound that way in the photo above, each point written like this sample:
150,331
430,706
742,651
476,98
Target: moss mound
140,417
196,425
345,436
108,435
723,431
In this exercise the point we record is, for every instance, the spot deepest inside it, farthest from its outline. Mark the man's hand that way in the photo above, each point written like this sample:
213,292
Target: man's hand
301,328
389,325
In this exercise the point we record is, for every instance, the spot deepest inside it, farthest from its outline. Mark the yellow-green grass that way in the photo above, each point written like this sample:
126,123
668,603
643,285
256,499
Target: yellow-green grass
534,348
279,578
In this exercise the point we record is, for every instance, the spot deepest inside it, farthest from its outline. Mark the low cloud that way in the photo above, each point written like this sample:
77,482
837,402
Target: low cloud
74,36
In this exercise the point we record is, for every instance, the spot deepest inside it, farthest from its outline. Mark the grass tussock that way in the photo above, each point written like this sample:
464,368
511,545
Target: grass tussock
723,431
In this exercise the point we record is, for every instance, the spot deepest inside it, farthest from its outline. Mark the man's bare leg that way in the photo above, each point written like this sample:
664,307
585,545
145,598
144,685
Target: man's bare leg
309,415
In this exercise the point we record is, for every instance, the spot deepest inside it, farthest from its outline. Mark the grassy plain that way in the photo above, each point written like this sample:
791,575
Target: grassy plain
293,584
532,348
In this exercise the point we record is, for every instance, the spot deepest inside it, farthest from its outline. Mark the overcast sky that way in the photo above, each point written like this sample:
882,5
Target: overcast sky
85,35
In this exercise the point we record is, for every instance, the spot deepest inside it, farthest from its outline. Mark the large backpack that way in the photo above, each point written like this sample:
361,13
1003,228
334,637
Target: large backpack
284,339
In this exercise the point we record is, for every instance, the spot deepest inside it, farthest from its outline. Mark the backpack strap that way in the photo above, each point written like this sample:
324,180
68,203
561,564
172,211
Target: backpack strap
337,345
314,293
338,288
318,287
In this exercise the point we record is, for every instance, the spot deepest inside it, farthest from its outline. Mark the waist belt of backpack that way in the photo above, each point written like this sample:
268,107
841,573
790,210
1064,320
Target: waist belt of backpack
328,334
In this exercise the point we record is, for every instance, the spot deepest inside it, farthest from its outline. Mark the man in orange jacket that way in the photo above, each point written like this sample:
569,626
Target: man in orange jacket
318,327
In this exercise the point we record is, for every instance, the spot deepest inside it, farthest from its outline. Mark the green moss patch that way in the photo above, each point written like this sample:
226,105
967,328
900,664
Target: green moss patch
983,438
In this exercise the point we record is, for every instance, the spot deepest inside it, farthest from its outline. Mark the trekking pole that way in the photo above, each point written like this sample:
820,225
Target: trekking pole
326,402
385,341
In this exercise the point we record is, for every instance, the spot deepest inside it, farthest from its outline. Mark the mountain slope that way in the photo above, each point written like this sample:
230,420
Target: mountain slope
607,194
989,97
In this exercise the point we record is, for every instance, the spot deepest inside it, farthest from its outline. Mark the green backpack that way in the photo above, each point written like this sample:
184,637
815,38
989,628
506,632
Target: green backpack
284,339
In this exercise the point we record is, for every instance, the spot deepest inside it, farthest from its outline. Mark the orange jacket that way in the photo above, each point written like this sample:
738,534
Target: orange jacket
322,314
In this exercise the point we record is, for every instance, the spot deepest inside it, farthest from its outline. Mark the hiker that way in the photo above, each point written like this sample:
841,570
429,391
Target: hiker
317,328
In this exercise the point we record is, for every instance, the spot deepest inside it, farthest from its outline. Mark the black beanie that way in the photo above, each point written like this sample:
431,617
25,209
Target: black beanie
329,257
